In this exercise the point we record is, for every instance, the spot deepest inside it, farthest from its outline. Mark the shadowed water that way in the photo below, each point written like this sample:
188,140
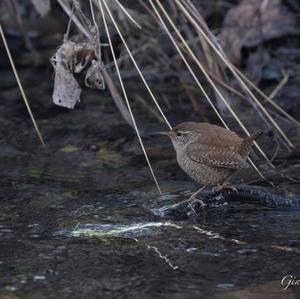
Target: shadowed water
60,243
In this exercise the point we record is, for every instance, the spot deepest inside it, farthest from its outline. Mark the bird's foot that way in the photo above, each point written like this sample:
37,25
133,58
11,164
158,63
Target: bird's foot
193,200
225,186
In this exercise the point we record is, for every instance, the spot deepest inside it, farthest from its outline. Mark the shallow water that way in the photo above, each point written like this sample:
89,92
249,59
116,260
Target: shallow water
57,243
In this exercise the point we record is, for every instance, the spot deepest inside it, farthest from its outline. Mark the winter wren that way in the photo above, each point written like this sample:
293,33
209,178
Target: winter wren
208,153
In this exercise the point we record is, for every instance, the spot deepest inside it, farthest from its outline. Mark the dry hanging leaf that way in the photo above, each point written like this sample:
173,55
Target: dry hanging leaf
93,77
83,55
66,89
74,58
42,6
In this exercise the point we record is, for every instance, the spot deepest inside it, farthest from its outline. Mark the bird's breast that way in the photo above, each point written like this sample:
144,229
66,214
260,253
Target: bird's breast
202,173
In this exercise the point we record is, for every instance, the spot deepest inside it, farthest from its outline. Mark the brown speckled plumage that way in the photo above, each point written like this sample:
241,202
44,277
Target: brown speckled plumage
208,153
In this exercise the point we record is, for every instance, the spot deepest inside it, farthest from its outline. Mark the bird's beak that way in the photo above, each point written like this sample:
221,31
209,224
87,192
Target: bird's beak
165,133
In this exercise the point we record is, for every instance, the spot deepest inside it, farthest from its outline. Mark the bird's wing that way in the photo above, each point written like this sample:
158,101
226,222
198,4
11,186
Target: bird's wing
221,156
217,136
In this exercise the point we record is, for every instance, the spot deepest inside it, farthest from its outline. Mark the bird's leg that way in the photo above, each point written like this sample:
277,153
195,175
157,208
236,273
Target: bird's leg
194,199
225,185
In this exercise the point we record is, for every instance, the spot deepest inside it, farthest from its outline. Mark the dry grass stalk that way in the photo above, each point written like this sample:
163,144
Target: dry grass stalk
192,9
189,67
268,99
123,87
223,57
207,38
207,76
20,86
136,65
114,92
128,15
187,64
284,80
74,18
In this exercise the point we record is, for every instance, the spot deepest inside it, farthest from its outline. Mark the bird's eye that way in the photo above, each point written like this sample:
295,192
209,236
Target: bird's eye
178,134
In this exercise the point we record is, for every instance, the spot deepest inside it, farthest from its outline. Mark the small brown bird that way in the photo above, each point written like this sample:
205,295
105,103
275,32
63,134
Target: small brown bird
208,153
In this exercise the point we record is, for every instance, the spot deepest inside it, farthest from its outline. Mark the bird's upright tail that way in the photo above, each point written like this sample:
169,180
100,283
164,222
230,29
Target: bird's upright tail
247,142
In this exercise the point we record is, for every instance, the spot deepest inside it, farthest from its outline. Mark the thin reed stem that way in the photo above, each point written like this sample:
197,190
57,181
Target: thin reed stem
191,71
208,78
128,15
136,66
229,65
124,90
20,86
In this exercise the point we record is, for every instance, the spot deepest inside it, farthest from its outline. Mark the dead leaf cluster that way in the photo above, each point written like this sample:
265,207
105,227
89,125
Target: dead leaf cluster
72,58
254,21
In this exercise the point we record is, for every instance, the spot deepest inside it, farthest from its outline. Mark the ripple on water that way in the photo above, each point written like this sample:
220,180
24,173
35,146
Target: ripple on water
115,230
